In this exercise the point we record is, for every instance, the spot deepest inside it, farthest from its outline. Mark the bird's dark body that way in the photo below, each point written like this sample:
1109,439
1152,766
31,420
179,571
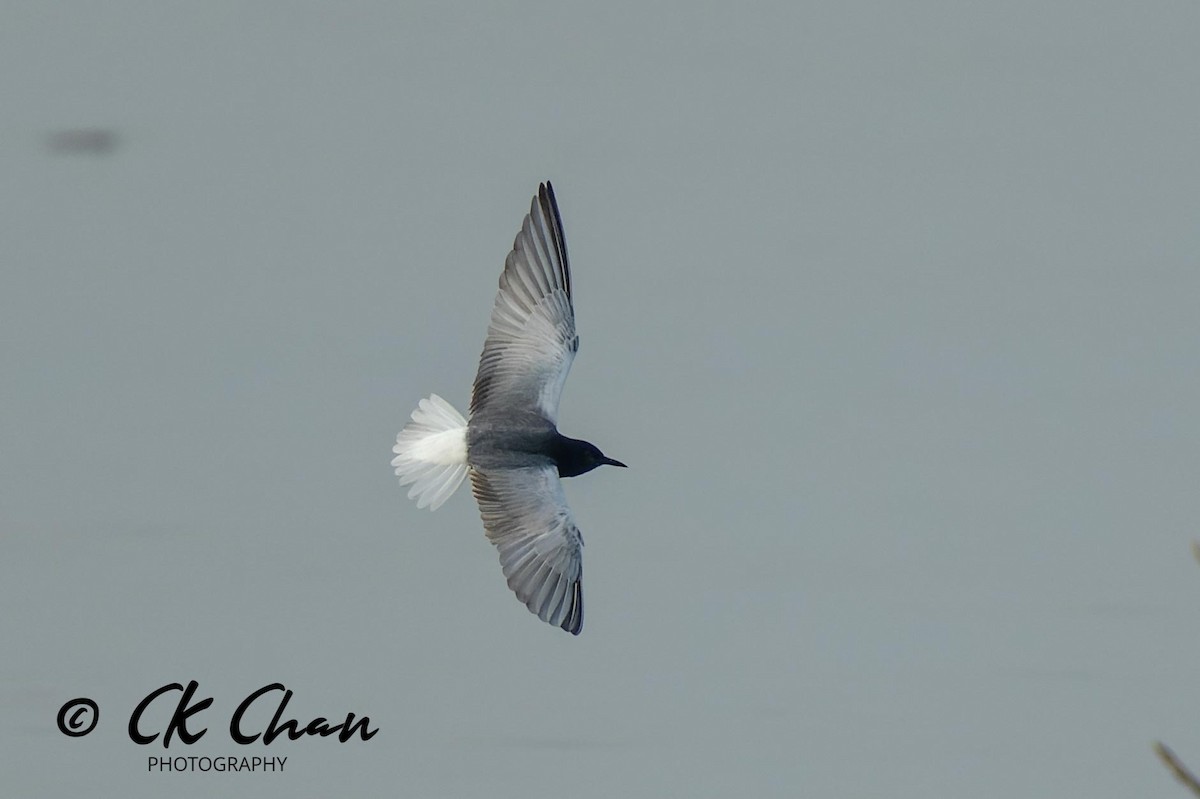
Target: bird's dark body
522,440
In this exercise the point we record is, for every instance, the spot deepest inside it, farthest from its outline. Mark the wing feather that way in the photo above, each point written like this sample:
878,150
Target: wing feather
531,340
525,515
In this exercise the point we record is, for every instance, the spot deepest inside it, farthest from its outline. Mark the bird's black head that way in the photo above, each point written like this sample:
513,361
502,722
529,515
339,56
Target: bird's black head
576,457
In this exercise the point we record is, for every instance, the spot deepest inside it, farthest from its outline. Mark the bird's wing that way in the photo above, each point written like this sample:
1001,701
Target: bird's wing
526,516
531,339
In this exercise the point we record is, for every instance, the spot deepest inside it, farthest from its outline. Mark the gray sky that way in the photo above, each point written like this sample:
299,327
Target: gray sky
890,308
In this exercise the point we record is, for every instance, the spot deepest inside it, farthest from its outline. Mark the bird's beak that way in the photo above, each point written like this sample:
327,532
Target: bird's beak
612,462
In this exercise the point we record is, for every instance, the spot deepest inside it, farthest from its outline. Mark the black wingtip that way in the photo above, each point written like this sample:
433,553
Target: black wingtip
573,623
549,204
547,198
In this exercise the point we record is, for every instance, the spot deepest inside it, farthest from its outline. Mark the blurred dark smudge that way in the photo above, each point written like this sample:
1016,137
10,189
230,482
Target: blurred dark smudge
82,141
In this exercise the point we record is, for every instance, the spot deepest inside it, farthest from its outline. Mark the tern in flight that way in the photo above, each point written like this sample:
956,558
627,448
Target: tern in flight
511,447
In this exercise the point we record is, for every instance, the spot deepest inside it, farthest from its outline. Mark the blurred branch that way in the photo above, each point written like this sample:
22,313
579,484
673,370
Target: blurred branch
82,141
1177,768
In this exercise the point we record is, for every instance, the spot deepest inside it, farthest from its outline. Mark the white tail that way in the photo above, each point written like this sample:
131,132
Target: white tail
431,452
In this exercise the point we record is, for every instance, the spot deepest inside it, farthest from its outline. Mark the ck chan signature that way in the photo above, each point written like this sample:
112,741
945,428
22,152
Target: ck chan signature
79,716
